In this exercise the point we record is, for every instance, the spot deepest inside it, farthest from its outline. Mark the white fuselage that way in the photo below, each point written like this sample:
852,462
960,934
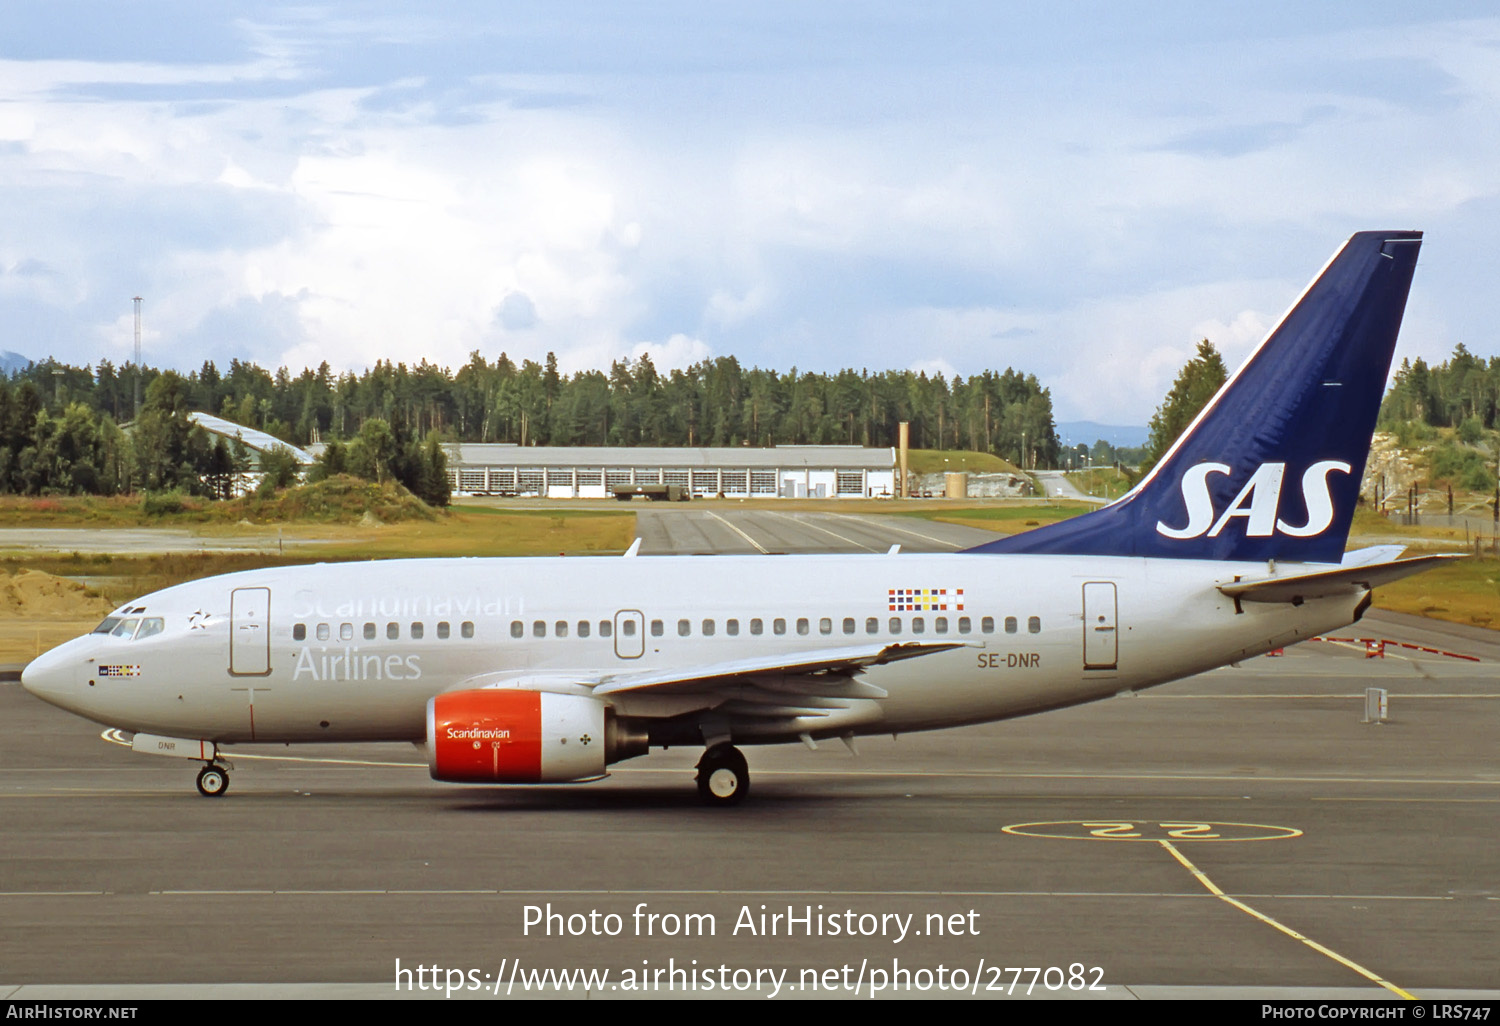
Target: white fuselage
331,652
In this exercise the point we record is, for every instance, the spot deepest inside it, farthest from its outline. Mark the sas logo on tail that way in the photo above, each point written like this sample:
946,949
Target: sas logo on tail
1257,503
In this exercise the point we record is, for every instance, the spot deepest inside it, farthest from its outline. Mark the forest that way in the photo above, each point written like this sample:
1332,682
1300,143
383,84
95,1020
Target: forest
62,428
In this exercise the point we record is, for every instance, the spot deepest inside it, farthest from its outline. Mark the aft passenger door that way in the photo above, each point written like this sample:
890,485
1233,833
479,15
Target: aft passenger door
1101,640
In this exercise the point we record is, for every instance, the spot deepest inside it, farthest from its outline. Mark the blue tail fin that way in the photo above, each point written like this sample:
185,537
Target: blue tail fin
1271,467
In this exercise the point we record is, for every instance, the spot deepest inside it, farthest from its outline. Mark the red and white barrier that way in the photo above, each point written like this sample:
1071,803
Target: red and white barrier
1375,647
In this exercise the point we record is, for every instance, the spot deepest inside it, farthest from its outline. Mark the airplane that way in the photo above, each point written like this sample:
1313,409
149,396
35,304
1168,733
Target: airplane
540,670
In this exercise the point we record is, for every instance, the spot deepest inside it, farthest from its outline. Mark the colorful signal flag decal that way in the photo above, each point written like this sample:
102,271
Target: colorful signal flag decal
925,600
119,671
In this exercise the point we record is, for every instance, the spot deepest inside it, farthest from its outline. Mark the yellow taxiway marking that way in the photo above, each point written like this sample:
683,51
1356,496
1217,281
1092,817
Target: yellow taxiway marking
1322,950
1197,831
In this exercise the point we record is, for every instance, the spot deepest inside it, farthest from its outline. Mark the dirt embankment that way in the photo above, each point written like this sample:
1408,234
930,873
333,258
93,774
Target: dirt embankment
33,593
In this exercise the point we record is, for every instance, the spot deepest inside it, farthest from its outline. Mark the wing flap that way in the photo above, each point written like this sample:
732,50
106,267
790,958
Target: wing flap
825,663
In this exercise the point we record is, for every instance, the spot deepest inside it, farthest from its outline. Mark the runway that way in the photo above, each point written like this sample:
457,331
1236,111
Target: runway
718,528
1073,854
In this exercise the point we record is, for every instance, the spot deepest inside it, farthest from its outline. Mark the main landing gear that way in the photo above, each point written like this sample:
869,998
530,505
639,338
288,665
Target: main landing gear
723,776
213,780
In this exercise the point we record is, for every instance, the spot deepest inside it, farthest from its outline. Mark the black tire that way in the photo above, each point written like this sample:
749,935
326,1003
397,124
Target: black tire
723,776
213,781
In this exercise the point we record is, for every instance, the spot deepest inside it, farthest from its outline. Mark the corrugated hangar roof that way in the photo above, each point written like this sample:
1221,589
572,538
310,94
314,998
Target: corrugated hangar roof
850,457
252,437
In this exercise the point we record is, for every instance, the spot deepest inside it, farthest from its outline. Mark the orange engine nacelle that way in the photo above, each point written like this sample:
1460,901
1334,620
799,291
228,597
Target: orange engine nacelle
509,736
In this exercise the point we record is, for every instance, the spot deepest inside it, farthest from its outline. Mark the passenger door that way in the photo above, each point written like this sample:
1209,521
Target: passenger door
250,632
630,634
1101,640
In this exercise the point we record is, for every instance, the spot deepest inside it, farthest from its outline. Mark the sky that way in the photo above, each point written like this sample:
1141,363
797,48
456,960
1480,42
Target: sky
1079,190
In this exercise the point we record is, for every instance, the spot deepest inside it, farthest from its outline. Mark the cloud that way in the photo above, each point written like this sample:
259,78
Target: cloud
933,368
421,185
1110,360
677,353
726,309
517,312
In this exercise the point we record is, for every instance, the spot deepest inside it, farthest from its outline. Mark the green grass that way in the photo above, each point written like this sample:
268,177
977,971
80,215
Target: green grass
1105,482
1464,591
1009,519
466,532
340,499
936,461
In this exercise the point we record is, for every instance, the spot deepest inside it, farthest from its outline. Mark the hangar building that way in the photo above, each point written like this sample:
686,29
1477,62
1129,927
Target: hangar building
255,441
582,472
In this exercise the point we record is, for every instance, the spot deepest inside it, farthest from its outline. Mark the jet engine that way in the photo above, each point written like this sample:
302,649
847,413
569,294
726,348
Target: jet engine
512,736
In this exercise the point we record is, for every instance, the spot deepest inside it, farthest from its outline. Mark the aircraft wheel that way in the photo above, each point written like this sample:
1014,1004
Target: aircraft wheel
213,781
723,776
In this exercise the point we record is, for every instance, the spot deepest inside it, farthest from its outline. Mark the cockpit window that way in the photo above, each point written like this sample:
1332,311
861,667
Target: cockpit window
126,628
109,624
149,626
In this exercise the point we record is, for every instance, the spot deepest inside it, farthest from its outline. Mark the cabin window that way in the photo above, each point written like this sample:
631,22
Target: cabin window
393,631
539,628
940,625
895,625
467,629
872,625
963,625
684,628
416,630
346,632
756,626
848,625
708,628
802,625
628,628
825,626
987,625
658,628
583,628
517,629
1034,625
299,631
323,631
369,632
1010,625
731,627
560,628
443,629
778,626
606,628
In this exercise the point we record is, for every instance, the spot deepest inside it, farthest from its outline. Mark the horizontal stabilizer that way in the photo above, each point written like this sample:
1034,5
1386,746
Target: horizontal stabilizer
1346,580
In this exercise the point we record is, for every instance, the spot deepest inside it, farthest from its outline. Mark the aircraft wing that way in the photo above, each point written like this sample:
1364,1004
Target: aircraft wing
829,662
1344,580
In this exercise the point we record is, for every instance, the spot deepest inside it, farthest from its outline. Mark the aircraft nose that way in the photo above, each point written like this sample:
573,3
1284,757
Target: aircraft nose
48,674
